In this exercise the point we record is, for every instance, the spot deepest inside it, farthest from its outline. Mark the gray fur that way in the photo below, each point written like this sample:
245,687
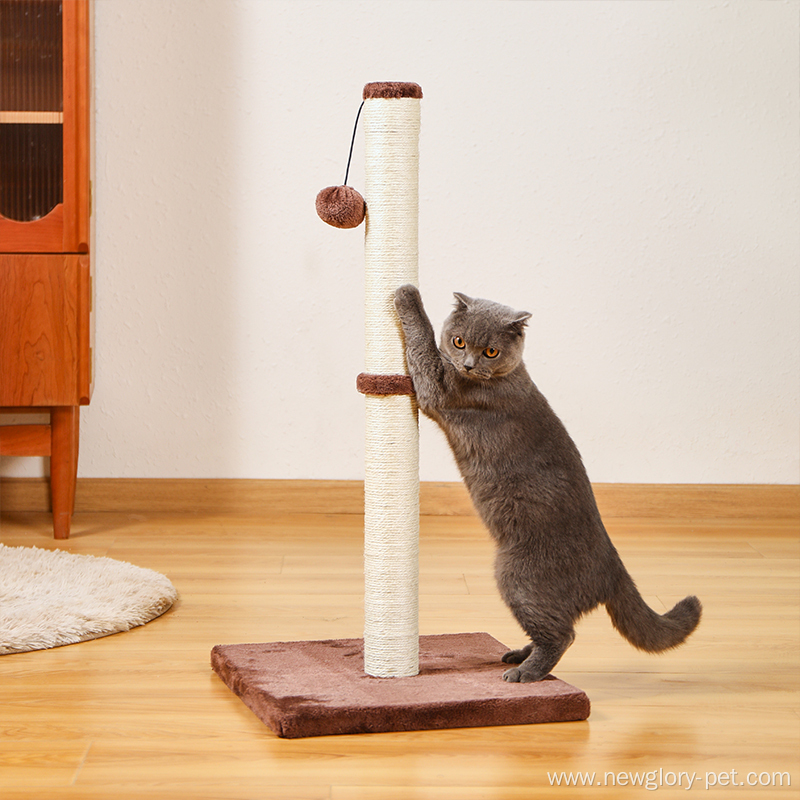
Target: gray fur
555,561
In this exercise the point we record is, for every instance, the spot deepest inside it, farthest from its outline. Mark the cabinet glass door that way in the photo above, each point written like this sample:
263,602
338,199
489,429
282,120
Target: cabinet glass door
31,109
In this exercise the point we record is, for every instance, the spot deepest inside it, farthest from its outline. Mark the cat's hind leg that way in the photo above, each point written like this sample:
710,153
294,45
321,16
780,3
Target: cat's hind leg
540,661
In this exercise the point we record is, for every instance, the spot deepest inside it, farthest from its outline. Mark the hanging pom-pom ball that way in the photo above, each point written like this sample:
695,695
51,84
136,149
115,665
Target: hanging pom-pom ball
341,206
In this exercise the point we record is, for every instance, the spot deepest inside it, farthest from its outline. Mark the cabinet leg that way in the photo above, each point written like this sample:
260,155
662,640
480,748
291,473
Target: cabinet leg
65,423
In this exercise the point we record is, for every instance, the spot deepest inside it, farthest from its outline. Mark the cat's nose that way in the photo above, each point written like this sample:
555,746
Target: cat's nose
468,366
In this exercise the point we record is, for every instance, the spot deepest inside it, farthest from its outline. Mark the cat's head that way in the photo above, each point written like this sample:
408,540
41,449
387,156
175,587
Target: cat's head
483,339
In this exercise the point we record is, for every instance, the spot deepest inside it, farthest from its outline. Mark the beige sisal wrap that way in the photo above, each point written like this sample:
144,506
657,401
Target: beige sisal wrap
391,487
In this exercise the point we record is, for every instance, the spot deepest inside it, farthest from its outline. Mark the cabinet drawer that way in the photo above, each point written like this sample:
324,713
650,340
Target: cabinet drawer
44,330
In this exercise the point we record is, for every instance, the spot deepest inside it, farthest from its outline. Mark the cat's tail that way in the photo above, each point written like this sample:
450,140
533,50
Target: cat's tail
643,627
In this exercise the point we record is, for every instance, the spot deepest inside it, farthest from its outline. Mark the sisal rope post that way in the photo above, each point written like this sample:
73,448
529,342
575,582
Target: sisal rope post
391,481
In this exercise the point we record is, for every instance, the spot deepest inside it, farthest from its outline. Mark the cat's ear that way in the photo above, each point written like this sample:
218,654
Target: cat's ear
518,322
462,301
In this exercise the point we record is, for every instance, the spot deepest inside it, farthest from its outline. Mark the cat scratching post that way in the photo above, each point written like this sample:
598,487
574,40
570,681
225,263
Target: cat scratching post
392,679
391,477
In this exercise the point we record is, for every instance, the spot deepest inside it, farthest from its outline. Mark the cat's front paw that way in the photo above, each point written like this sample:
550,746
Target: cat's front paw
407,300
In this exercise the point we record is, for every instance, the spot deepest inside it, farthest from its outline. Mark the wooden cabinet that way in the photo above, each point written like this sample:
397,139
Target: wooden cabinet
46,233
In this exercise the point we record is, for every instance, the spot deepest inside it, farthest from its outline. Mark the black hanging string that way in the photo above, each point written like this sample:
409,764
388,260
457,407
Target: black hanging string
352,142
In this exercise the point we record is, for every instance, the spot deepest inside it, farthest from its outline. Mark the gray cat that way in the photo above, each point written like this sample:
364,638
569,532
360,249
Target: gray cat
555,561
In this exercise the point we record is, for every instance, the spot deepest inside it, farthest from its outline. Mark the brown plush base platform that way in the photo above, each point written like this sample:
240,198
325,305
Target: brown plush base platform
320,688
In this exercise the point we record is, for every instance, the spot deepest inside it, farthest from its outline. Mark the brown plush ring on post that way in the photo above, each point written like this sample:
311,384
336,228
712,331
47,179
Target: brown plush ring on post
384,385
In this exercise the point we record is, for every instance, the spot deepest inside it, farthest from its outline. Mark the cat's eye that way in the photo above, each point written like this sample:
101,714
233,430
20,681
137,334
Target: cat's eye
491,352
459,343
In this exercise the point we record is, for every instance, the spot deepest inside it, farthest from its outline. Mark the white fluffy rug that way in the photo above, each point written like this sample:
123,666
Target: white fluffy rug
49,598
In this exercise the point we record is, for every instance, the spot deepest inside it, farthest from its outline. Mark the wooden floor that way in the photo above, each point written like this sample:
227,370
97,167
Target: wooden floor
141,715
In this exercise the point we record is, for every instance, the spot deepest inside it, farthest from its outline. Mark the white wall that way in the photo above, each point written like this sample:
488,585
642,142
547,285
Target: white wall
627,171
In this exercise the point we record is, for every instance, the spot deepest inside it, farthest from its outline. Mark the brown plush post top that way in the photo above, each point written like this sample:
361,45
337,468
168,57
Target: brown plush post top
384,385
392,91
